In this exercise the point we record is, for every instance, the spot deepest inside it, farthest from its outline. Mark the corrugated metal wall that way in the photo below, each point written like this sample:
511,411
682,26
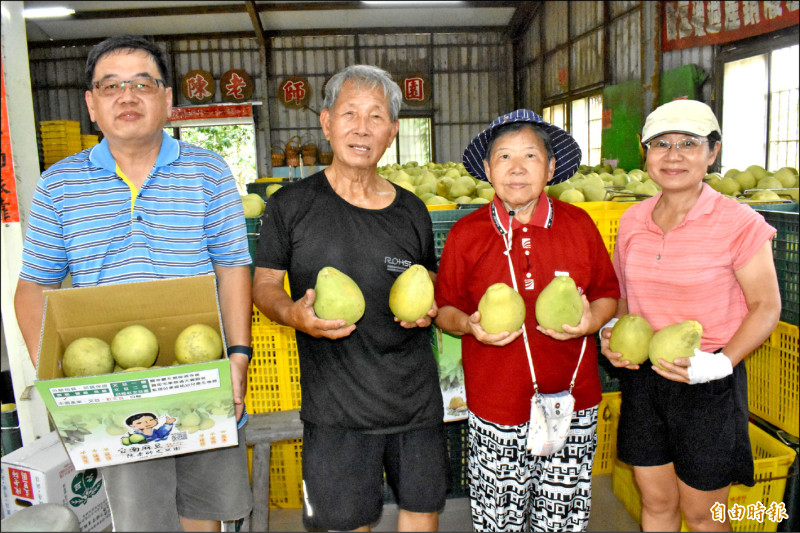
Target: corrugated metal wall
471,76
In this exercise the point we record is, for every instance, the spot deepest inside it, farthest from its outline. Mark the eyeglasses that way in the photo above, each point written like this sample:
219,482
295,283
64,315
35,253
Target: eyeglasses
143,85
660,146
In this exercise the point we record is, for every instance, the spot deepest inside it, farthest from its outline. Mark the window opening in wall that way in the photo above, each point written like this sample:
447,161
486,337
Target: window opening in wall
413,143
760,110
582,118
234,142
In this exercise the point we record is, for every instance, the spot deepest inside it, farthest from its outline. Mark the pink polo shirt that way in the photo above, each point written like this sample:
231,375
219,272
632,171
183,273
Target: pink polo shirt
559,238
688,272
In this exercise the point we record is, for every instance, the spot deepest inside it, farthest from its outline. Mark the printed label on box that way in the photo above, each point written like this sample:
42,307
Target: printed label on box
115,419
135,389
20,481
447,350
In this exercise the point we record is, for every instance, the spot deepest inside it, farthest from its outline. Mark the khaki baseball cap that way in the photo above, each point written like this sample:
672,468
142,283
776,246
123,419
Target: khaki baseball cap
680,116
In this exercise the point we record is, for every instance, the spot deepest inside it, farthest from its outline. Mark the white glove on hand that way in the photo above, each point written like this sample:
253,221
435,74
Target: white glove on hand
707,367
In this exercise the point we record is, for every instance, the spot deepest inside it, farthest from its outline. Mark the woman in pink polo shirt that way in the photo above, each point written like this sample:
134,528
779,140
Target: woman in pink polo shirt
690,253
525,239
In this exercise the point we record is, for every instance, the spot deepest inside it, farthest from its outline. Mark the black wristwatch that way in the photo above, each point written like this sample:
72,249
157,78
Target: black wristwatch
248,351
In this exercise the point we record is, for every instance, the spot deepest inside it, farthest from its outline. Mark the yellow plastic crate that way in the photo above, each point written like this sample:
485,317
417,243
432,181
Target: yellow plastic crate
606,216
773,379
607,422
273,377
285,474
772,460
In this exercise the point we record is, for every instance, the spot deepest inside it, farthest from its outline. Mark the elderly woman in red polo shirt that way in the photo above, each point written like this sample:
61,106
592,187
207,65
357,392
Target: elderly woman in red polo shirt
690,253
525,239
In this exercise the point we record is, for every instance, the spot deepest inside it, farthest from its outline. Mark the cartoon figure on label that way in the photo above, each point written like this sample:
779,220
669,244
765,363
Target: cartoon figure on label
145,430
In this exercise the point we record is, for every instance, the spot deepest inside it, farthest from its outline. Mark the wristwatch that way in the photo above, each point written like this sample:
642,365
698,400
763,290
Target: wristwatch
248,351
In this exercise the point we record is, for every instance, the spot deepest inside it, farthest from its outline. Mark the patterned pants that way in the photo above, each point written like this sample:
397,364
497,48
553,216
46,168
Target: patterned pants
510,488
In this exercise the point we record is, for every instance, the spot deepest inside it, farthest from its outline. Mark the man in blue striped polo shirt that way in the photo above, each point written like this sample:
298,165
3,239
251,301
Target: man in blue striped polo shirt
140,206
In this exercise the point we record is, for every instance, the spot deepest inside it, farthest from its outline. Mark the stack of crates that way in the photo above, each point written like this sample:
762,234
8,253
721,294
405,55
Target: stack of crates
60,139
87,141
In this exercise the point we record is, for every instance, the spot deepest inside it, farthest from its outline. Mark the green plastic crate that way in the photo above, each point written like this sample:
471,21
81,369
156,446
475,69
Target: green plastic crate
786,254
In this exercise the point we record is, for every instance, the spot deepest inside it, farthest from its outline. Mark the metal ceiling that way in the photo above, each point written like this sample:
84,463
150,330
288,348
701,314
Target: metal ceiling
94,21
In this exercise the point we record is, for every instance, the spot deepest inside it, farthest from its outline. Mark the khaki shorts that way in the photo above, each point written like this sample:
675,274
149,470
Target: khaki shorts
150,495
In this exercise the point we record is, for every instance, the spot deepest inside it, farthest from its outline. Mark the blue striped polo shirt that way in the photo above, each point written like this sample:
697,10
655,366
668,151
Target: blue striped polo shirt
187,217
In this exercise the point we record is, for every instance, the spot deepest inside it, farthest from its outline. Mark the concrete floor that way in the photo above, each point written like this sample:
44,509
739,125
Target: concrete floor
608,514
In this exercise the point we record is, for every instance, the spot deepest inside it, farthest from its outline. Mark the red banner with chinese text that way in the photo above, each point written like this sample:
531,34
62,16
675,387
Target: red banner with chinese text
9,205
701,23
211,112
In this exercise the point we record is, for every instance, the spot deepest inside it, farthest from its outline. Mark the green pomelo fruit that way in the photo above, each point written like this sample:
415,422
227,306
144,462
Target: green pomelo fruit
729,186
272,189
411,295
632,184
338,297
758,171
487,193
502,309
136,438
133,346
444,184
425,196
647,187
769,182
126,441
765,196
558,304
675,341
745,179
424,188
462,200
621,180
732,173
462,186
437,200
134,368
593,193
631,337
787,176
554,191
479,200
572,196
198,343
87,356
253,205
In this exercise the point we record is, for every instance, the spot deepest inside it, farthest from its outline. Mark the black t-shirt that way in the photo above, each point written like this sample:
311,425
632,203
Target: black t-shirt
382,378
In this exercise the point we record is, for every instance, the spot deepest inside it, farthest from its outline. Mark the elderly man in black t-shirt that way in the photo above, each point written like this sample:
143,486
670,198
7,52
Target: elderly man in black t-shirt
371,397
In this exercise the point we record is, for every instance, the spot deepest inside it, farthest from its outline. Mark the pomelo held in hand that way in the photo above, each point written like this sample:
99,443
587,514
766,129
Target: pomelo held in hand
675,341
411,296
134,346
502,309
198,343
338,297
558,304
631,336
87,356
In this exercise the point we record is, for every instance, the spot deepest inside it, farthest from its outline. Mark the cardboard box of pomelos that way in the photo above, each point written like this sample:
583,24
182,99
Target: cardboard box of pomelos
164,409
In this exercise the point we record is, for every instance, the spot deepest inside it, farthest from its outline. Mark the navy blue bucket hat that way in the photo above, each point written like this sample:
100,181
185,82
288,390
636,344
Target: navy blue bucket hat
566,150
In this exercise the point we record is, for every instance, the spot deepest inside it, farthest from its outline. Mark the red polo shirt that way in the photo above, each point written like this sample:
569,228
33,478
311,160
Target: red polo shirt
560,238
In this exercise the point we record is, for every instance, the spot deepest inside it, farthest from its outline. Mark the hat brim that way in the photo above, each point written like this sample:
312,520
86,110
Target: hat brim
565,148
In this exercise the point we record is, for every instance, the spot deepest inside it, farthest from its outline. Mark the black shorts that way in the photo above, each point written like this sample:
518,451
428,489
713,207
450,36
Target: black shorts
702,429
343,474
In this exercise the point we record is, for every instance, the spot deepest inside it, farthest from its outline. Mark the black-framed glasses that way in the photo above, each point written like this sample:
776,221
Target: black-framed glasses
143,85
687,145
